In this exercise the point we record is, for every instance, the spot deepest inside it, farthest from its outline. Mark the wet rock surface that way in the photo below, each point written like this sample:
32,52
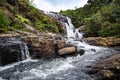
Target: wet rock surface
43,48
56,69
77,66
9,53
108,68
11,50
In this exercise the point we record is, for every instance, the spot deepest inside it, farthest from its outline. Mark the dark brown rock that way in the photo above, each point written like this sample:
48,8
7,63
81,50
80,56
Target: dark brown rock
81,51
108,68
11,52
61,44
43,48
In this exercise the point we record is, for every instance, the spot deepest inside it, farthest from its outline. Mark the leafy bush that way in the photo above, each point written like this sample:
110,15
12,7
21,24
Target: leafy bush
4,21
42,26
23,20
92,27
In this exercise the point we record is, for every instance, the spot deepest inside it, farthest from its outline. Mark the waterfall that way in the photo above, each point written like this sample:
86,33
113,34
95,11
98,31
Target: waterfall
68,68
71,31
73,34
78,34
24,51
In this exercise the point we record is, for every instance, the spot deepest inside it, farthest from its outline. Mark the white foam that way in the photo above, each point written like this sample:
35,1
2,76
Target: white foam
2,78
53,70
14,64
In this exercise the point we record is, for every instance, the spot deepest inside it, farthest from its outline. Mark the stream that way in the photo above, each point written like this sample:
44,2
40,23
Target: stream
62,68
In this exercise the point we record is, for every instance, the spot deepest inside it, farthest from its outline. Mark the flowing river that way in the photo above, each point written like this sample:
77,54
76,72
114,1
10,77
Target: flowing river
61,68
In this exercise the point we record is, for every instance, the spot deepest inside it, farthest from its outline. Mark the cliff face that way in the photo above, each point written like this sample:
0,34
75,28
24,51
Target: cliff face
21,15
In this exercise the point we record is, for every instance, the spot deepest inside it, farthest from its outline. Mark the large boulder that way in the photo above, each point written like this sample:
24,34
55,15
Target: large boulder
67,51
108,68
12,51
61,44
106,41
40,47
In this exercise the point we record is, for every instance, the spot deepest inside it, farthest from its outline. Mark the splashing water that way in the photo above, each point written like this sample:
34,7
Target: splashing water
70,68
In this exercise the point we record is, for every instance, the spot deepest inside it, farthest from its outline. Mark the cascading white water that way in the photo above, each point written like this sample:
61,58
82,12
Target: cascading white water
70,68
71,31
25,51
78,34
70,23
73,34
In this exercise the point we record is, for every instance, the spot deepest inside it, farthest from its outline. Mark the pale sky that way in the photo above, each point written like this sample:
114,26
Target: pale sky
57,5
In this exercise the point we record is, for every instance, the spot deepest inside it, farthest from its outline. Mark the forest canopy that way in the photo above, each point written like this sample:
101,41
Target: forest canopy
101,17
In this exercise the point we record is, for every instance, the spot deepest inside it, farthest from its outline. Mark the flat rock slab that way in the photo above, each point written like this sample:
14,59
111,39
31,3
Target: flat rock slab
106,41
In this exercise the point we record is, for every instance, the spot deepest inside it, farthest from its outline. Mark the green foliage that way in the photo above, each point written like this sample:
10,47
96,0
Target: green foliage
4,21
17,26
20,12
44,25
92,27
109,29
102,17
2,2
23,20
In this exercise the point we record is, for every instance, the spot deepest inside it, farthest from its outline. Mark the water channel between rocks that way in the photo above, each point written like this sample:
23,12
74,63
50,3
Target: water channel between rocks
69,68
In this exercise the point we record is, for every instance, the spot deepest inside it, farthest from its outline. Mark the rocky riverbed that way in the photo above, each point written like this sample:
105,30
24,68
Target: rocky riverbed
108,68
96,62
39,46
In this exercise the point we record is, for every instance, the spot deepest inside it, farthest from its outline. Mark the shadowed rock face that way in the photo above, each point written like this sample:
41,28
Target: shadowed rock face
14,50
11,51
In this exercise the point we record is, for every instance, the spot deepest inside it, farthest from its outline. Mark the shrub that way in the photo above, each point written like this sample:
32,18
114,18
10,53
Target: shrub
4,21
23,20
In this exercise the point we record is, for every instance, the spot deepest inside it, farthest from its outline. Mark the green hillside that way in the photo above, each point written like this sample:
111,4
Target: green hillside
15,13
101,17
